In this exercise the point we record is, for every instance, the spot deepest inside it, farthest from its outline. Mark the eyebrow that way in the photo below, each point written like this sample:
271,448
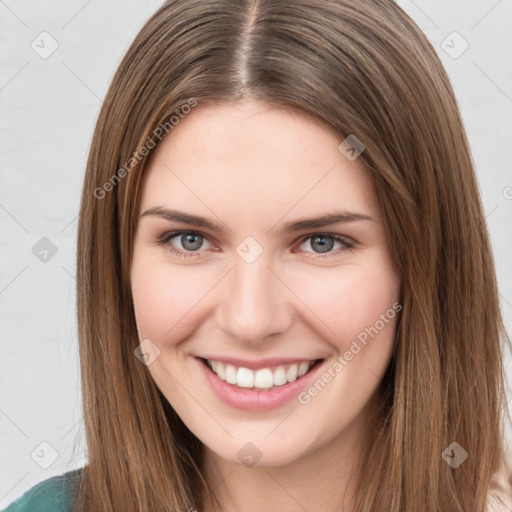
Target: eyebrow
289,227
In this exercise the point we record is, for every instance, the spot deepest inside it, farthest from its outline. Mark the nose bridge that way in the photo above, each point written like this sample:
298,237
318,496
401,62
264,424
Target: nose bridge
254,305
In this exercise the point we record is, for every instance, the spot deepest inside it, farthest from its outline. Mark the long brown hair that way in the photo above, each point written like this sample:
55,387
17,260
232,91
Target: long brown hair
362,67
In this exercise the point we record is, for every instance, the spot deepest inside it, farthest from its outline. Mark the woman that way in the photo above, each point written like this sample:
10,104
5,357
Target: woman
286,293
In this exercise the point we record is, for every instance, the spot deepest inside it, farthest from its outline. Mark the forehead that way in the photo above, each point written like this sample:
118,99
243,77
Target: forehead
253,159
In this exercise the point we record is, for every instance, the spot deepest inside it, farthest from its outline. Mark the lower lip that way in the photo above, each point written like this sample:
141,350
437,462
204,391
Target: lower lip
255,400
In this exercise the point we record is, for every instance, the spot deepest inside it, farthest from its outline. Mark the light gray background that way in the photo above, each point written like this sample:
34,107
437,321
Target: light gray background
48,110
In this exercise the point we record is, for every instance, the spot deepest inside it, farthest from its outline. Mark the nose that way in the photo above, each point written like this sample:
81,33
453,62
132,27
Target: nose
254,303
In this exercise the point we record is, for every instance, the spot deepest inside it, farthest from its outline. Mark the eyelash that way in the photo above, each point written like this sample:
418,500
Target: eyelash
165,238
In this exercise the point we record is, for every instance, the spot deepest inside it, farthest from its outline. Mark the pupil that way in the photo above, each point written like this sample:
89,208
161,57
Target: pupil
191,242
323,243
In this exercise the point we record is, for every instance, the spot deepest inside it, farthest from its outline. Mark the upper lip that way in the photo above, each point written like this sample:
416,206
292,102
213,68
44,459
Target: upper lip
260,363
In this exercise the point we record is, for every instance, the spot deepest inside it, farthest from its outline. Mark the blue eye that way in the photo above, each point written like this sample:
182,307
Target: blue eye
324,243
188,244
191,241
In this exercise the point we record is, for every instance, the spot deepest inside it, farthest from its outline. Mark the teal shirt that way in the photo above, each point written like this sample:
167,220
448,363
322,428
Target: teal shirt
56,494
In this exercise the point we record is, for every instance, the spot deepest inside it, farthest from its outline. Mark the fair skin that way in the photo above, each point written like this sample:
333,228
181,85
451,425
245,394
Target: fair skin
252,168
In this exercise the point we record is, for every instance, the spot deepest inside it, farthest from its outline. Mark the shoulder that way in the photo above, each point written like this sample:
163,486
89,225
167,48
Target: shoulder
56,494
499,498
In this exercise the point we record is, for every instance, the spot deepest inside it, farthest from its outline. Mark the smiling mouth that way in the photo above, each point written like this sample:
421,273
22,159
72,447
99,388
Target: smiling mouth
263,379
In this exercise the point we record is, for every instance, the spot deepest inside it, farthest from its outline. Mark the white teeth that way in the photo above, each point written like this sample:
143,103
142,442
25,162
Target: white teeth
264,378
245,378
303,368
219,369
292,373
280,376
230,373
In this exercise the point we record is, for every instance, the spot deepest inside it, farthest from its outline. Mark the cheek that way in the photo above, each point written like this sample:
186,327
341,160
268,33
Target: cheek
354,302
167,298
361,306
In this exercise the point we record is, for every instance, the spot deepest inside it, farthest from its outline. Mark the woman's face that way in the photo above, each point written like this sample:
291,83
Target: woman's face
237,261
